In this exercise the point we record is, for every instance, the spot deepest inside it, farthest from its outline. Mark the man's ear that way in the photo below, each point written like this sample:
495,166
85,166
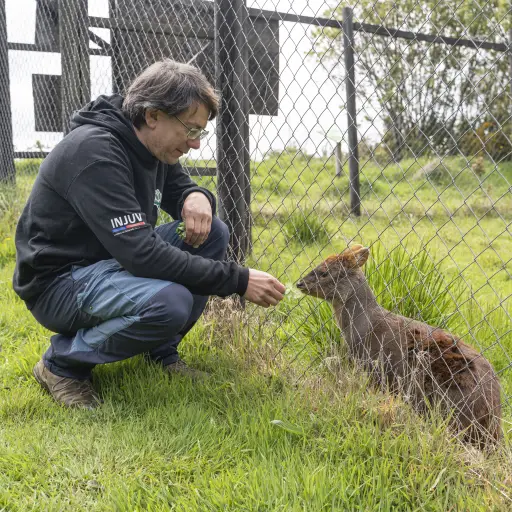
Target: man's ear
151,117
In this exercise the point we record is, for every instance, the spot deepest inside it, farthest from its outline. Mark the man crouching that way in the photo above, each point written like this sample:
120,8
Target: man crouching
91,265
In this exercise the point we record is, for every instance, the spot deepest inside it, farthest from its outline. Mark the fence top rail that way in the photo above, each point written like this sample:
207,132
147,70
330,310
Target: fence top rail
476,44
378,30
95,21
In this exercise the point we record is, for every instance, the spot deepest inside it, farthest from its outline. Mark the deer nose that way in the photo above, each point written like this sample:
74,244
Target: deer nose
300,285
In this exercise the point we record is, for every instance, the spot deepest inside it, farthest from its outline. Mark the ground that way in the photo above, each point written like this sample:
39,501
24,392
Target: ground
285,422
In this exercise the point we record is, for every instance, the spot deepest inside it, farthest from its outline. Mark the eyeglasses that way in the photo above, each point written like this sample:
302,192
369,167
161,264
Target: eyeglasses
193,133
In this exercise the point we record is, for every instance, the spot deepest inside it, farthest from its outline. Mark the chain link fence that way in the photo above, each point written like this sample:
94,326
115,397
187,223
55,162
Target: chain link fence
384,124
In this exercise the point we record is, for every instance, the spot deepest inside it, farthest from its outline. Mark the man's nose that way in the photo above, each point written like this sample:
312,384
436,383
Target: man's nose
193,143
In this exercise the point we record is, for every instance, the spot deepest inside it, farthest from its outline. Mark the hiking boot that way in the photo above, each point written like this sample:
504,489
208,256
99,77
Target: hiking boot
182,368
70,392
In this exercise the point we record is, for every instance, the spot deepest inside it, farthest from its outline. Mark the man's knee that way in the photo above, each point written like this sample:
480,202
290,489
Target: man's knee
168,310
220,231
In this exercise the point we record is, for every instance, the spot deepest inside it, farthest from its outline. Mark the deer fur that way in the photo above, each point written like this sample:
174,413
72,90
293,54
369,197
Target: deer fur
428,365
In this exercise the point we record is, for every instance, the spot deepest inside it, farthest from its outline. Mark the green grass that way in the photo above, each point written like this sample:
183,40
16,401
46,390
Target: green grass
305,228
285,423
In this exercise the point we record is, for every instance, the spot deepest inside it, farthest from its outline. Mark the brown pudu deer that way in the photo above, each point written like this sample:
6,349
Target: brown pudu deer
426,364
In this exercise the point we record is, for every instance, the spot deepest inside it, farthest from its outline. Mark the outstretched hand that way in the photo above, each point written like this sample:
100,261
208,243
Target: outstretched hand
264,289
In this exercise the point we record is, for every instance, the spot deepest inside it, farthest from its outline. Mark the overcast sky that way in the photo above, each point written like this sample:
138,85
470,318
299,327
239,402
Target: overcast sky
310,102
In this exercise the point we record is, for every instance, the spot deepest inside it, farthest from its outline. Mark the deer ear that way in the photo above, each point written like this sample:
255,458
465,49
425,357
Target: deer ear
361,254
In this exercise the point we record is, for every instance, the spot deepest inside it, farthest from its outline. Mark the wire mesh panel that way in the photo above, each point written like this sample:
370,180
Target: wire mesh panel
384,124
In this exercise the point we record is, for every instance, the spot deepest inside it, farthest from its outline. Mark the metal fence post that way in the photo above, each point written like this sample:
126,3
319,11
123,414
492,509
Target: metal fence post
112,15
232,121
338,157
353,154
246,105
7,169
74,48
510,58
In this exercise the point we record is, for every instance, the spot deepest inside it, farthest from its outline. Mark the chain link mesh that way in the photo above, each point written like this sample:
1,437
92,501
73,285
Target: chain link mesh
432,89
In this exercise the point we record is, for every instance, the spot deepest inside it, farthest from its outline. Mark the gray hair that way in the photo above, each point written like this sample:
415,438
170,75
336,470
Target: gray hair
169,86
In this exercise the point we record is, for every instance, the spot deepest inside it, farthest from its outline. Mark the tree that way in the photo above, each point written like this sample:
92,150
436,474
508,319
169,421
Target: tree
428,95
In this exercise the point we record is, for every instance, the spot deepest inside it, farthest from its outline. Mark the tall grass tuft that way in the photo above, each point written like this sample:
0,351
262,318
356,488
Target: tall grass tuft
306,228
411,284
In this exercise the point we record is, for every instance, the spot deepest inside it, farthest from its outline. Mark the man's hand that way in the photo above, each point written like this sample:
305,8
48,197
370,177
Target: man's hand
197,215
264,289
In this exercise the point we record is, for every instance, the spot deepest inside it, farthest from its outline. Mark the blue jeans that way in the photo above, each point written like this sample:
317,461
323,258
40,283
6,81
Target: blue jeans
102,313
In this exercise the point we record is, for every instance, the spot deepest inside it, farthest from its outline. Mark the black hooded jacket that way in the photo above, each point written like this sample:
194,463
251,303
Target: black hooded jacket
96,197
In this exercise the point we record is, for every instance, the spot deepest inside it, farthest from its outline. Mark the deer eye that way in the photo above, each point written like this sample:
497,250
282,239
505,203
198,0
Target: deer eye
325,273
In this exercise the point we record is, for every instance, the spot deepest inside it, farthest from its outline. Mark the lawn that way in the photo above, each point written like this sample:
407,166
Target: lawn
285,422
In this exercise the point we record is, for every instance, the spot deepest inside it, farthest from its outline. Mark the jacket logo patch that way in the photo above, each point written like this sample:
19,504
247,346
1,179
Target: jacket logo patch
127,223
158,198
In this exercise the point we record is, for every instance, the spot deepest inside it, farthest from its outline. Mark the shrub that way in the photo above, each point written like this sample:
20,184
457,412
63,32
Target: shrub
491,138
